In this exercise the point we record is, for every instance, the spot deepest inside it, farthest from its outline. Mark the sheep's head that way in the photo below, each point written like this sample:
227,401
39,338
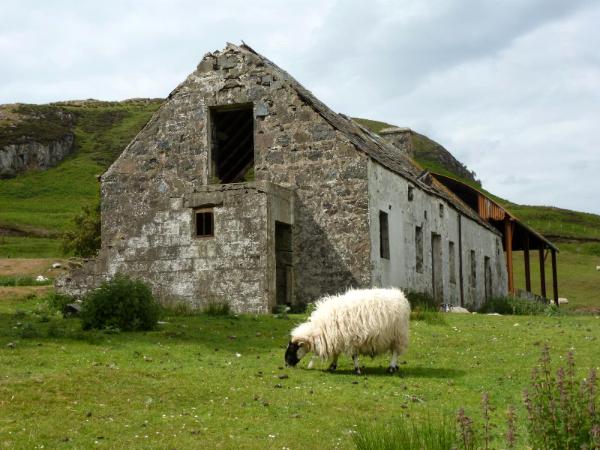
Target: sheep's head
295,351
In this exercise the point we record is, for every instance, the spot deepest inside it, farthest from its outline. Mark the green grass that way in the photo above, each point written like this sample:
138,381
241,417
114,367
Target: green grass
29,247
17,280
218,382
579,281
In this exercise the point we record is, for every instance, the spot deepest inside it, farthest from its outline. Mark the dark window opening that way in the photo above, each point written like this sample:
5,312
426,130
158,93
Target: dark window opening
232,144
419,249
441,210
473,277
384,236
411,193
205,223
452,261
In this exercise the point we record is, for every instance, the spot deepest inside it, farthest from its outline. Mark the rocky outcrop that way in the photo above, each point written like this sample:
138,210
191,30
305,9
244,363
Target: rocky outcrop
16,158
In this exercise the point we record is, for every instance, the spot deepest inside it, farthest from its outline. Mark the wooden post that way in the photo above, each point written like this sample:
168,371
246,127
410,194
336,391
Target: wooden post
542,271
554,278
508,244
527,268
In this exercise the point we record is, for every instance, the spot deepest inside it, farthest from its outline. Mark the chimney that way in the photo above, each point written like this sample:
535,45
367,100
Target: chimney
400,138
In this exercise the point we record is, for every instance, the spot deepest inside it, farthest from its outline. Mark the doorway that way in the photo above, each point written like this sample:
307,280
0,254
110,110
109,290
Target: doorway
436,268
284,269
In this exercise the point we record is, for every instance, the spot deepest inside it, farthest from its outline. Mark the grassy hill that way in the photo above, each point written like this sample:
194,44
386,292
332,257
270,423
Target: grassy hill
37,206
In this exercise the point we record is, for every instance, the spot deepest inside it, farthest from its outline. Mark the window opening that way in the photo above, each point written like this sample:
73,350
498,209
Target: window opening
205,223
419,249
384,236
232,144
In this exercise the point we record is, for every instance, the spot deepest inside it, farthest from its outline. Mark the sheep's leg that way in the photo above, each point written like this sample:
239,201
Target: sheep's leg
312,361
394,362
333,364
356,366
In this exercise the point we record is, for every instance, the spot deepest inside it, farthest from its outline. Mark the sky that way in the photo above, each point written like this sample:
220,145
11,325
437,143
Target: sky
510,87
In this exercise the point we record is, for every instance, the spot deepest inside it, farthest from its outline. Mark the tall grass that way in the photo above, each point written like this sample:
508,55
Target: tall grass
431,434
23,281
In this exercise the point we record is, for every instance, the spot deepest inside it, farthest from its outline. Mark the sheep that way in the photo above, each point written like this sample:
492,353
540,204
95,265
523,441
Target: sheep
361,321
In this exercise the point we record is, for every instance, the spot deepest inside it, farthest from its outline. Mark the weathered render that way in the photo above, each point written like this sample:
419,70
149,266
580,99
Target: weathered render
291,222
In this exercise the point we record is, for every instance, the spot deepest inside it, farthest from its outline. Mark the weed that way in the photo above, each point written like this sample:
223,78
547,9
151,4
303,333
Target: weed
23,281
216,307
517,307
562,413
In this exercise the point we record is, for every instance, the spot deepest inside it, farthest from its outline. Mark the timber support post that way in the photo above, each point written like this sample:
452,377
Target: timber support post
542,271
554,278
527,268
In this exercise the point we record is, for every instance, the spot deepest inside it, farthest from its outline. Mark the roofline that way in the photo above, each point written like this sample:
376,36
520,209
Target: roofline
511,216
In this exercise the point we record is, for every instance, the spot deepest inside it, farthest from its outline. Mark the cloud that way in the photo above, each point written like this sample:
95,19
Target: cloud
510,87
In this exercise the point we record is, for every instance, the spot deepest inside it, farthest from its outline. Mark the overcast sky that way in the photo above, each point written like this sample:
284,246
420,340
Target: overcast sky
510,87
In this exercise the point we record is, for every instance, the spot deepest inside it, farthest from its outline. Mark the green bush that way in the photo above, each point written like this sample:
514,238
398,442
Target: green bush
120,303
516,306
84,239
424,308
58,302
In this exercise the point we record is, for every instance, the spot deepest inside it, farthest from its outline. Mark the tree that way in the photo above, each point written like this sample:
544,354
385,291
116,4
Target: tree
84,239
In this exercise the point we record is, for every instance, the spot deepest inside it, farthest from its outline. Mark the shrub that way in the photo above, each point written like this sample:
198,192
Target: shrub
424,308
562,413
84,239
120,303
404,435
28,331
58,302
12,280
516,306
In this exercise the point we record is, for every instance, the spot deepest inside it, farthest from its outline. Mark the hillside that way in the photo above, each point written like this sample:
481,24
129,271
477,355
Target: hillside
37,206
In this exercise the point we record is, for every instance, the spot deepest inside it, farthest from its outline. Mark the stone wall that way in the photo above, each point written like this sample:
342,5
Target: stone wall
390,193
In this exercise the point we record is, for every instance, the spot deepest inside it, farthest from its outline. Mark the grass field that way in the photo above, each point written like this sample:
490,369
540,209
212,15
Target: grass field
219,382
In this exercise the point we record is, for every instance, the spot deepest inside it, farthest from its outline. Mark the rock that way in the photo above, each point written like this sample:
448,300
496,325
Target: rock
282,376
562,301
56,265
457,310
41,278
597,267
11,345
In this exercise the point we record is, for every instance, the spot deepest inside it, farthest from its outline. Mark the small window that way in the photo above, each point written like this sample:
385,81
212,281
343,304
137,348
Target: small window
419,249
441,210
411,193
384,236
452,261
205,223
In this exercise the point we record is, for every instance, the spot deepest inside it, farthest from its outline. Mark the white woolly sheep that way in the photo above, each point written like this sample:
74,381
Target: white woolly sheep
362,321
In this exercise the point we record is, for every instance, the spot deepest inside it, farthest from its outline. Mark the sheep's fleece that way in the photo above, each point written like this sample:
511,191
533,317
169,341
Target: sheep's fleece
365,321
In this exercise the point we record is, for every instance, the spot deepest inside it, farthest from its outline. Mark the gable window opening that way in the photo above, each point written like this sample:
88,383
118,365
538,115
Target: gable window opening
205,223
384,236
232,144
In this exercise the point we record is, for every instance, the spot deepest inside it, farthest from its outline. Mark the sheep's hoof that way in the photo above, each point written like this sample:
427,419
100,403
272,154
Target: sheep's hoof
332,367
392,369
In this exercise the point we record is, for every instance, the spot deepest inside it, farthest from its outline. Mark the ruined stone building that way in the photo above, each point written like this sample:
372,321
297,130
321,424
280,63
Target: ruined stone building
245,188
